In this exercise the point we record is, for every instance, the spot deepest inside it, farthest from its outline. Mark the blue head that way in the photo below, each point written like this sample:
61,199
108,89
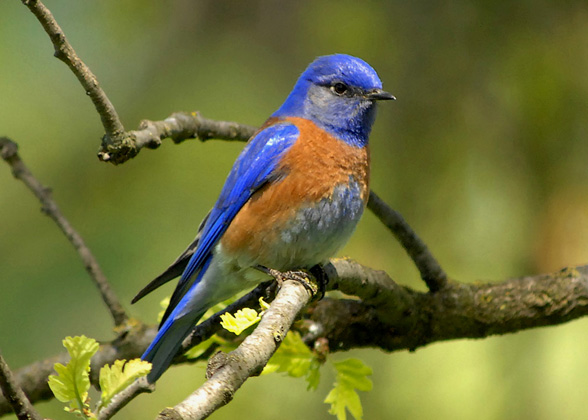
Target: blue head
338,93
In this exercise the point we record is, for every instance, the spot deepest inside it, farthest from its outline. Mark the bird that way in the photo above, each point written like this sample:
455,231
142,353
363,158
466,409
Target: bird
291,200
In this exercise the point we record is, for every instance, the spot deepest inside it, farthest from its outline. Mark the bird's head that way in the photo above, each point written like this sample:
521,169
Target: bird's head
338,93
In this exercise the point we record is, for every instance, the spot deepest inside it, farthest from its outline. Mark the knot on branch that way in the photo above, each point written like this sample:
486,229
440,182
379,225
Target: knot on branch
216,362
117,150
8,148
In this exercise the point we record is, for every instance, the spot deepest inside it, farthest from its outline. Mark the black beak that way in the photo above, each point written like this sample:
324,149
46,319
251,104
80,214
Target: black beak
380,95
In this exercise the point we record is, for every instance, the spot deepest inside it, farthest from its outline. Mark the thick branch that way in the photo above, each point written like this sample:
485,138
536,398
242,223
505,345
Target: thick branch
231,370
15,396
9,152
65,52
399,318
388,316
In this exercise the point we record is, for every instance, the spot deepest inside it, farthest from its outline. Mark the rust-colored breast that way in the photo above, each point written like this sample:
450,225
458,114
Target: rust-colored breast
314,166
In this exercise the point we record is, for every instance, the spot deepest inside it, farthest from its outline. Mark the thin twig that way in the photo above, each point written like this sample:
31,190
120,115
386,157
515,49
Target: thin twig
178,127
21,405
227,372
431,271
120,400
64,51
9,152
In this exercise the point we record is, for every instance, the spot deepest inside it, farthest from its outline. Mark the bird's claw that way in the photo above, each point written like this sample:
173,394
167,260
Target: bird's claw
313,280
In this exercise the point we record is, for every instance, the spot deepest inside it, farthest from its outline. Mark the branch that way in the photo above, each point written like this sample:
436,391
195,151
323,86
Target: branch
120,400
9,152
394,317
65,52
431,271
388,316
133,339
16,397
227,372
179,126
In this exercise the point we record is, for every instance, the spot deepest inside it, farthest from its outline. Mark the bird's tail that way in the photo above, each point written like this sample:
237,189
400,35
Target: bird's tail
167,342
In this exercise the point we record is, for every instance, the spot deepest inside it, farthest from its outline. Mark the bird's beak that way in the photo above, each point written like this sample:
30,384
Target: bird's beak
379,95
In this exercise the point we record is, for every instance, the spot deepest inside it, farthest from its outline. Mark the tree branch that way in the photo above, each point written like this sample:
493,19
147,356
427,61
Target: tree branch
179,126
388,316
15,396
431,271
398,318
9,152
65,52
120,400
227,372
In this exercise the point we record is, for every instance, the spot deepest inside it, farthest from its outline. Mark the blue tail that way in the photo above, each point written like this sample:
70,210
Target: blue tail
187,305
167,343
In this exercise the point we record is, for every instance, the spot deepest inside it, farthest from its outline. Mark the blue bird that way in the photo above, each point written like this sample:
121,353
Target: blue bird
293,197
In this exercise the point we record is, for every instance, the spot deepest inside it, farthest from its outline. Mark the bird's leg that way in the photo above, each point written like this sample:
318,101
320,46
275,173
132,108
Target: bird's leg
304,277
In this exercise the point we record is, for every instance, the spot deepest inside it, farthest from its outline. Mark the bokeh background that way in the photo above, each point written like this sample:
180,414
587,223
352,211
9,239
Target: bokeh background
485,154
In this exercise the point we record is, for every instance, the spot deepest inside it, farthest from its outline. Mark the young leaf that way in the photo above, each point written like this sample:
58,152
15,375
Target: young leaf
351,375
296,359
313,377
72,382
121,374
243,319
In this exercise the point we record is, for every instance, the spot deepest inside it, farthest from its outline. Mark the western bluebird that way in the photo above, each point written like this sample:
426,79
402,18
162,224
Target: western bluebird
291,200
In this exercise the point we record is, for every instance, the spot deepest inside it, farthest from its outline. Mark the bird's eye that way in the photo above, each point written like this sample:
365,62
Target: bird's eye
339,88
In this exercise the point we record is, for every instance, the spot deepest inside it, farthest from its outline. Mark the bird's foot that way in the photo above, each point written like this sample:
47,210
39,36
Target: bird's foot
313,280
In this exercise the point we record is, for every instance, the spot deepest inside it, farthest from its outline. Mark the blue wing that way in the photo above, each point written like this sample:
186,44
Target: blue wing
255,166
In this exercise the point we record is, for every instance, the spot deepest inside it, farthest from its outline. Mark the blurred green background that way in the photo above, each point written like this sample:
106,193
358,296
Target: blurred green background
484,153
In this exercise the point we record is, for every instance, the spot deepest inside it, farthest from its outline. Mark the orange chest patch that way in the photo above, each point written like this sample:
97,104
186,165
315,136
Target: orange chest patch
312,168
317,162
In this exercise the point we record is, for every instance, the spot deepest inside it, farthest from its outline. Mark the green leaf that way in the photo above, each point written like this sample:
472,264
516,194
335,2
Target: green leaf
72,381
351,375
120,375
313,376
296,359
243,319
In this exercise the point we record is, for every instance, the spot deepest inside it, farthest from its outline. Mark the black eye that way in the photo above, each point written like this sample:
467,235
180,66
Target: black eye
339,88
